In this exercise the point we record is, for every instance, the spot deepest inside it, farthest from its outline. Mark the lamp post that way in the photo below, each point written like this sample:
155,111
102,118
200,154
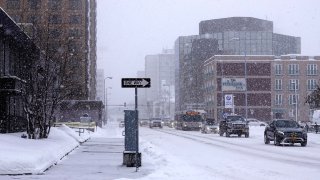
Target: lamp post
296,99
169,99
104,96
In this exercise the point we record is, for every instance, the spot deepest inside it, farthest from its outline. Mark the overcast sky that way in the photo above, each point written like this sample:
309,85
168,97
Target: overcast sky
128,30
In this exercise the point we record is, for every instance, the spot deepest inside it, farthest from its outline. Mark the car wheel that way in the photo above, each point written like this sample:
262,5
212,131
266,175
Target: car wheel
304,144
266,139
227,134
239,135
221,133
276,140
246,135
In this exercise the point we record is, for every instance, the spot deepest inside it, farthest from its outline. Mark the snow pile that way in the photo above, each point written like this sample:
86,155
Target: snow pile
29,156
75,133
109,131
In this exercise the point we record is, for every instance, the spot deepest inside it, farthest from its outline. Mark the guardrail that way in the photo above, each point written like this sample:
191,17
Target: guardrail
91,126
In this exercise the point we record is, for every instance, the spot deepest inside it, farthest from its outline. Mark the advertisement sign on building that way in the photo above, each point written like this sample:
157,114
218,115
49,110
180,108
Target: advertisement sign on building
228,101
234,84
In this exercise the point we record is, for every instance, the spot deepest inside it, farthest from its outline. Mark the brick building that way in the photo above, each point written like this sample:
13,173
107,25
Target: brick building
272,85
65,29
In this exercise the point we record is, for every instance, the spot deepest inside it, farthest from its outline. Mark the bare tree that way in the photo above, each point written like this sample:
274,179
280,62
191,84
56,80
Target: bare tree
313,99
46,84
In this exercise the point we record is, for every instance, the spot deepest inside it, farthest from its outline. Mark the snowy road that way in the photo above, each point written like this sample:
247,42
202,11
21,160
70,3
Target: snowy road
189,155
211,156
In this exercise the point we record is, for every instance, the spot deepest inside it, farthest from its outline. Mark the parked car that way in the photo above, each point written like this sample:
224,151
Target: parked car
144,122
284,131
256,122
209,127
171,124
155,122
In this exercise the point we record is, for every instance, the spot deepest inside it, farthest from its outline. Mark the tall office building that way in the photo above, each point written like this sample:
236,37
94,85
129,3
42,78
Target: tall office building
65,29
100,85
160,68
228,36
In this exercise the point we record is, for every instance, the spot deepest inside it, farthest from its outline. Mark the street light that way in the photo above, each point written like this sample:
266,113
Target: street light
169,99
104,95
294,83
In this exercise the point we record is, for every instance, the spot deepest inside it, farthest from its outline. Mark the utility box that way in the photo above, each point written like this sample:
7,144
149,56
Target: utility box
131,139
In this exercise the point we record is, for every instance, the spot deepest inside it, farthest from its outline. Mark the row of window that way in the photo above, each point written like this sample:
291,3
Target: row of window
294,84
52,4
53,19
292,99
293,69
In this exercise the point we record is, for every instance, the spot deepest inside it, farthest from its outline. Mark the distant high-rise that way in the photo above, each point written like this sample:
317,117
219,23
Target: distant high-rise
160,68
65,29
100,85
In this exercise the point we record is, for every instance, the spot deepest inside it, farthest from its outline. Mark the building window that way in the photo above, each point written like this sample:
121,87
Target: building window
75,4
312,69
311,84
278,84
278,100
34,19
13,4
16,18
55,4
55,33
75,33
75,19
74,47
293,84
278,69
34,4
2,59
55,19
293,99
293,69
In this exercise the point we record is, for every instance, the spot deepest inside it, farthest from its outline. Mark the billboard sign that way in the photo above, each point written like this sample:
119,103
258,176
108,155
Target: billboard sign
234,84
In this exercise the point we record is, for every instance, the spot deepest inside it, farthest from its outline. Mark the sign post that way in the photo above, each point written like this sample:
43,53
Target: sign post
229,102
136,83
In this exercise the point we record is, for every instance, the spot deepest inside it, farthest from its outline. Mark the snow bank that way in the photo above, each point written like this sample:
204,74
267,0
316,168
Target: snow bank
29,156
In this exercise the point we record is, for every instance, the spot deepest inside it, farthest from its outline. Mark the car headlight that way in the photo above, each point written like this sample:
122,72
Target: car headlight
280,132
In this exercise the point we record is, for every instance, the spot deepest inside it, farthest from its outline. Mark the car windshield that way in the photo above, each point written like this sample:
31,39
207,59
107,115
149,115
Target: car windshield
195,118
210,123
286,124
235,118
155,119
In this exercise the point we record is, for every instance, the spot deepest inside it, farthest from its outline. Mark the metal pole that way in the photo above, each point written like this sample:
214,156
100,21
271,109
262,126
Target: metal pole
233,104
169,102
296,98
137,125
222,95
245,75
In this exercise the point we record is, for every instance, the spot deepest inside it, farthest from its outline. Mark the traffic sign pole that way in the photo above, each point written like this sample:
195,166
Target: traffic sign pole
136,83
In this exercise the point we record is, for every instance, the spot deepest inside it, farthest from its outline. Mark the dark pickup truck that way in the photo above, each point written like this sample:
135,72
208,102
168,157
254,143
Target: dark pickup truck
234,124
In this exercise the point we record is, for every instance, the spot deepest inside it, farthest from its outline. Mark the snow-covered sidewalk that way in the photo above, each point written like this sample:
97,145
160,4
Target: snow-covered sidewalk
29,156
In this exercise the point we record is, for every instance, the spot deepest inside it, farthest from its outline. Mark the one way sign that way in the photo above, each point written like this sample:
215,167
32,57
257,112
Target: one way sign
136,82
